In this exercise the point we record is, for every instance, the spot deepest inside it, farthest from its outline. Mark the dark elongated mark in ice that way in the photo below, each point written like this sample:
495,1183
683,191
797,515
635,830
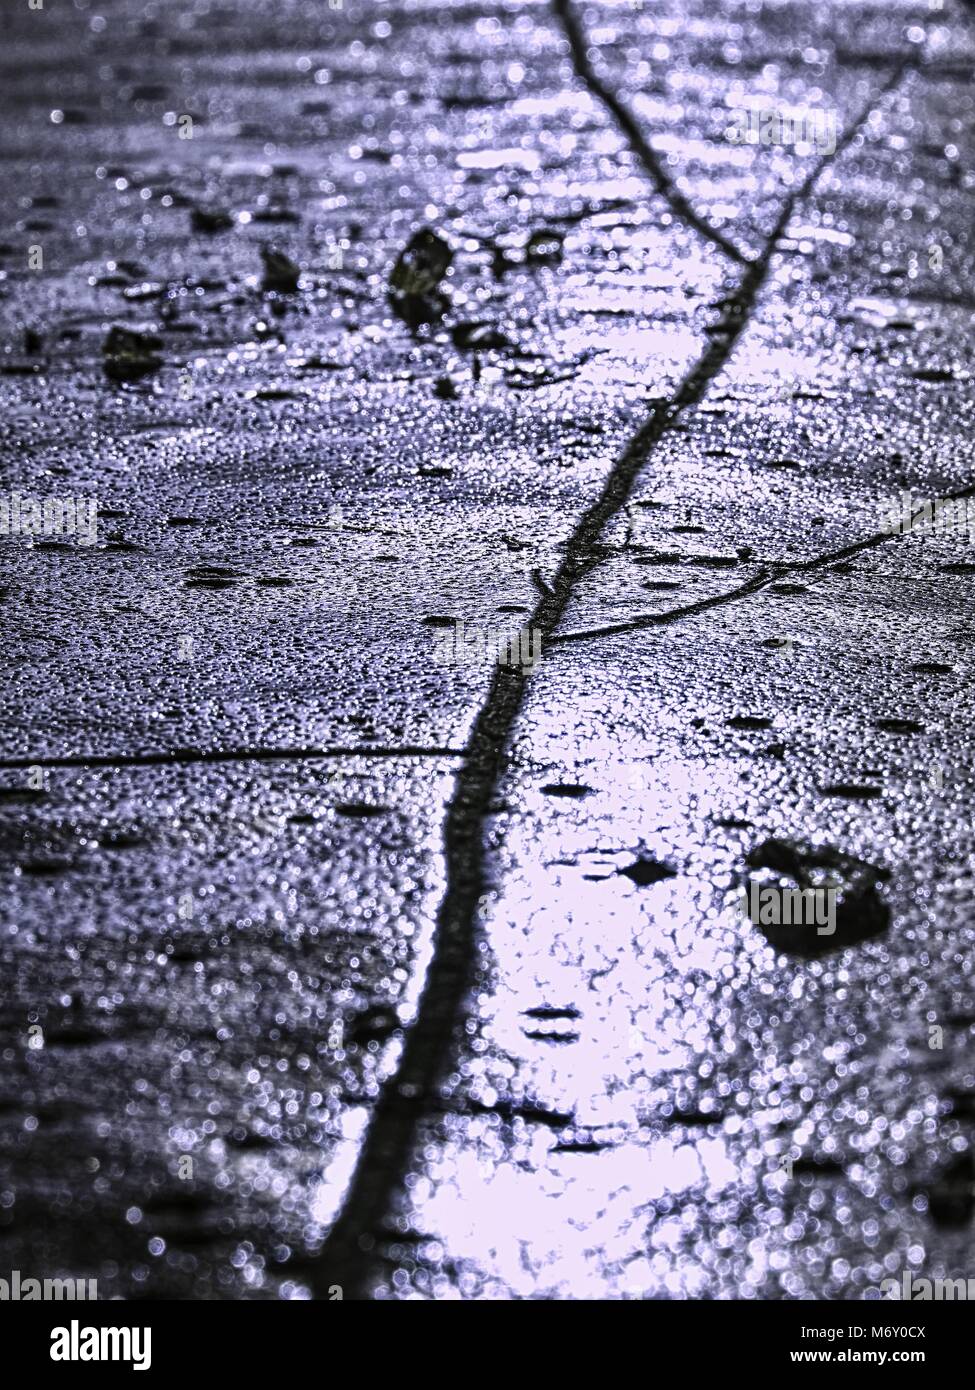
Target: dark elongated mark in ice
758,581
182,756
349,1255
637,141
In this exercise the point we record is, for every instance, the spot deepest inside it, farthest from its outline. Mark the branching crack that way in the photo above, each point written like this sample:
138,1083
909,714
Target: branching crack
416,1091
